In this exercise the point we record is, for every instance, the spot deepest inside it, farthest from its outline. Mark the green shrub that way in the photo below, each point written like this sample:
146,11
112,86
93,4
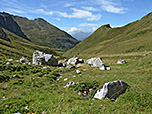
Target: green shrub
4,78
84,86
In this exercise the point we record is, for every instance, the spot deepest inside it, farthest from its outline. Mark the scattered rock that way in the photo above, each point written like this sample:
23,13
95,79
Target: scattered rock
84,69
145,55
26,108
16,76
111,90
102,67
108,68
29,63
65,79
78,71
79,93
121,62
79,65
65,60
95,62
17,61
9,63
74,61
3,98
61,64
81,61
44,67
60,77
70,66
24,60
68,84
10,60
40,58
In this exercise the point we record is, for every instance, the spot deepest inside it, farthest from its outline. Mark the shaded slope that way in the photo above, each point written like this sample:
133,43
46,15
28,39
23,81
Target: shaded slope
133,37
18,47
42,33
7,22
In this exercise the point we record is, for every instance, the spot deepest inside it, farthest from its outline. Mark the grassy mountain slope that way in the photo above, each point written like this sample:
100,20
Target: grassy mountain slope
42,33
36,92
133,37
17,47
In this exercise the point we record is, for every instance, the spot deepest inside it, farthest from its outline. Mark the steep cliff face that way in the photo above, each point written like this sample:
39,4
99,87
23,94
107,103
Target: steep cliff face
7,22
3,35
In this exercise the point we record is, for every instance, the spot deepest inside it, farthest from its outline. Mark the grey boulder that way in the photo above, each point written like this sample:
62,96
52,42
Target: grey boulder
112,90
40,58
95,62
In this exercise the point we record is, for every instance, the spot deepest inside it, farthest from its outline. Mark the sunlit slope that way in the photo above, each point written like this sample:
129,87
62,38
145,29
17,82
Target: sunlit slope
133,37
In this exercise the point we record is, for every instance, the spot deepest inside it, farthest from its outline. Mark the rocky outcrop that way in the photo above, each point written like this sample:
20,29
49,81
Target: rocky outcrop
7,21
40,58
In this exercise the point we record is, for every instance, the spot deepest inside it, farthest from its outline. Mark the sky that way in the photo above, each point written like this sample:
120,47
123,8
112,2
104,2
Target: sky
80,18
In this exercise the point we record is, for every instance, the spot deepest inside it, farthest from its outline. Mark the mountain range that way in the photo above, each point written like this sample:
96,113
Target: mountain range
21,36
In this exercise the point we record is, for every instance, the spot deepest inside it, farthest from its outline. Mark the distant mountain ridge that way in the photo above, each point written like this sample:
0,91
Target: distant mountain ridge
133,37
43,33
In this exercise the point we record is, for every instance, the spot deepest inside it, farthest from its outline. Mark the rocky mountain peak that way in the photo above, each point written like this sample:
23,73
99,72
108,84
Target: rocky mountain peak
7,21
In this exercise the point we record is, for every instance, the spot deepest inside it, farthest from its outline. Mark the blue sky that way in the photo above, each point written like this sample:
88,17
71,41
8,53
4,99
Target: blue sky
79,17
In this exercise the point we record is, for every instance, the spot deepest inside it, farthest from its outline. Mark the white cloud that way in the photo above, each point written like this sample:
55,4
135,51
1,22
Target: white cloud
88,24
74,30
41,11
15,11
111,7
68,5
90,8
58,19
80,14
80,33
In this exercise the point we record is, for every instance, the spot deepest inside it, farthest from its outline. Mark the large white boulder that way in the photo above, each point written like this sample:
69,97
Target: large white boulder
40,58
95,62
111,90
73,61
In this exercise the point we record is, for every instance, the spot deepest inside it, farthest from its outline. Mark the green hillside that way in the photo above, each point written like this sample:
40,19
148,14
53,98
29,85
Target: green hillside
17,47
42,33
134,37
